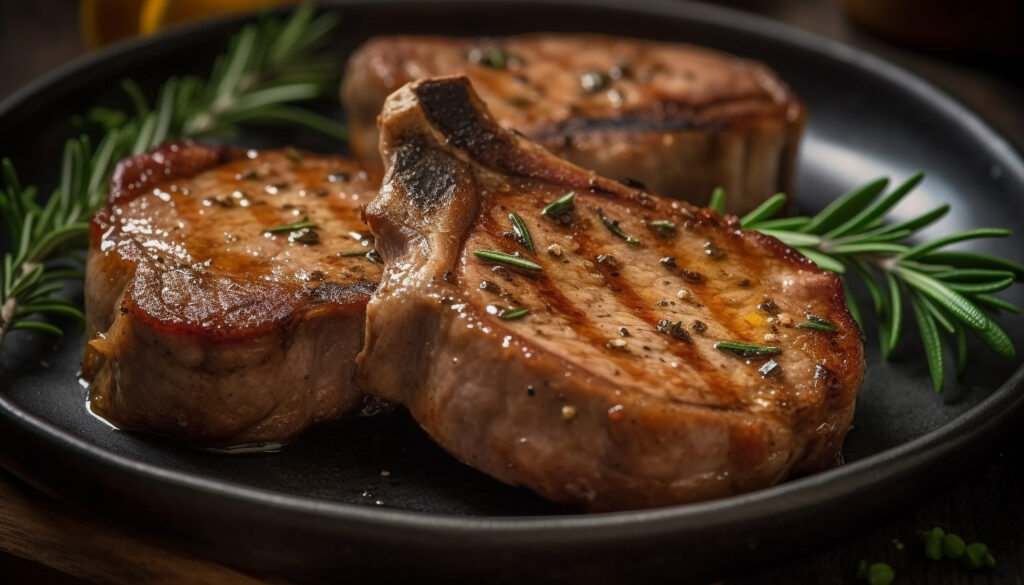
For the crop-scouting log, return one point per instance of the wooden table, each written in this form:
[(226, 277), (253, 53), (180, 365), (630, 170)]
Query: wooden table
[(43, 541)]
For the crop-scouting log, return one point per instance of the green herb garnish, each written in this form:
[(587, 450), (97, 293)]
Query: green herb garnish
[(269, 67), (875, 573), (305, 224), (510, 314), (508, 259), (495, 57), (522, 232), (747, 350), (949, 292), (560, 208), (662, 228), (816, 326), (613, 227), (717, 201)]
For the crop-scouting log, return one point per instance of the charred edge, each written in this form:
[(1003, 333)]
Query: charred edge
[(165, 162), (448, 106), (426, 174)]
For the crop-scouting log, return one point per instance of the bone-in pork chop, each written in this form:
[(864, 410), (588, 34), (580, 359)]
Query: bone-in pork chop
[(678, 118), (602, 346), (225, 292)]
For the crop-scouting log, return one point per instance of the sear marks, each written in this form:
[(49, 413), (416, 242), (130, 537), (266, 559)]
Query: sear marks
[(226, 291), (678, 119), (559, 399)]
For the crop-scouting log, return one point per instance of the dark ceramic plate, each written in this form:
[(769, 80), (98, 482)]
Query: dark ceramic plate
[(323, 508)]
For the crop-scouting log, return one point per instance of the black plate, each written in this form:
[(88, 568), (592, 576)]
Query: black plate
[(323, 508)]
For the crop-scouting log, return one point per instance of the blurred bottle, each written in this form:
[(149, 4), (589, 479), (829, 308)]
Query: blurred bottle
[(975, 28), (106, 21)]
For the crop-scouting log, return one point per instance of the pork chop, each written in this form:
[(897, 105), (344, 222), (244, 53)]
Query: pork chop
[(631, 352), (680, 119), (210, 318)]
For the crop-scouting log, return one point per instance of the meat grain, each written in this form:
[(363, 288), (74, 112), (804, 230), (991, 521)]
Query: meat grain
[(206, 327), (614, 390), (678, 118)]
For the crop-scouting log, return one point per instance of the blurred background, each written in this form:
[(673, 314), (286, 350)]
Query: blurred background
[(974, 50)]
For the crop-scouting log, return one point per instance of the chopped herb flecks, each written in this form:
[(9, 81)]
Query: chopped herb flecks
[(291, 227), (510, 314), (816, 322), (662, 228), (522, 232), (816, 326), (747, 350), (507, 259), (613, 227), (494, 57), (561, 208)]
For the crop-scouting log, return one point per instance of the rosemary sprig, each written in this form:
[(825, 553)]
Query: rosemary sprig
[(613, 227), (560, 208), (948, 291), (507, 259), (268, 67), (522, 231), (291, 227), (746, 350)]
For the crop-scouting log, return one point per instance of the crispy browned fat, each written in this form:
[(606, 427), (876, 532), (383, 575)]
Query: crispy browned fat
[(678, 118), (614, 390), (209, 318)]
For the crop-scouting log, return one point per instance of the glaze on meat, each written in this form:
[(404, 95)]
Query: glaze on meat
[(678, 118), (609, 394), (203, 326)]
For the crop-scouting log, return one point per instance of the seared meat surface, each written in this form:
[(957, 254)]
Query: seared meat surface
[(610, 393), (678, 118), (204, 326)]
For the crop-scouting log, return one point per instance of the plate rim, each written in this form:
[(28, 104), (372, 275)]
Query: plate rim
[(976, 425)]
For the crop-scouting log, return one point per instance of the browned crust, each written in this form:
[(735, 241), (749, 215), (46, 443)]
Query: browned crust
[(278, 304), (463, 133)]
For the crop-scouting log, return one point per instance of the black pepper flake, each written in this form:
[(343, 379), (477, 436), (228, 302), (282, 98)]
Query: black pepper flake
[(608, 260), (448, 276), (668, 261), (745, 283), (631, 182), (623, 332), (247, 175), (374, 257), (691, 276), (490, 287), (530, 391), (699, 327), (339, 177), (675, 330), (769, 306), (713, 251)]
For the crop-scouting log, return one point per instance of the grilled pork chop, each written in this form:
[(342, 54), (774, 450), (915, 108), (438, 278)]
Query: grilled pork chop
[(205, 326), (614, 391), (678, 118)]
